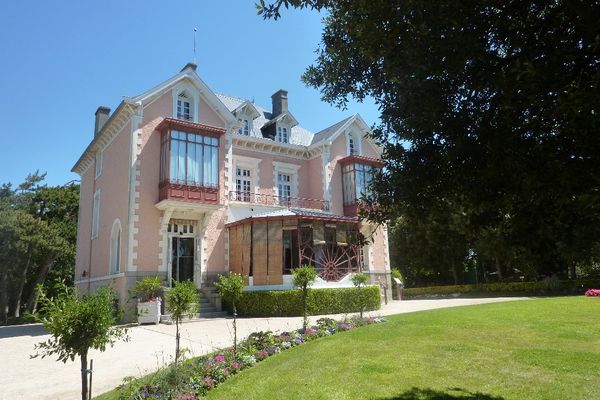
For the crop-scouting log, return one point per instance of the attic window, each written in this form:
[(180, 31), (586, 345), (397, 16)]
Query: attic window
[(184, 107), (282, 134), (245, 128)]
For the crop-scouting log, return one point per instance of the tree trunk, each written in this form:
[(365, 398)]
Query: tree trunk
[(572, 270), (4, 296), (84, 376), (41, 279), (21, 283), (499, 268), (304, 296), (234, 329), (454, 274), (176, 339)]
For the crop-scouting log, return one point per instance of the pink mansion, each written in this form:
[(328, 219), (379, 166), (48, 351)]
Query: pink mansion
[(187, 184)]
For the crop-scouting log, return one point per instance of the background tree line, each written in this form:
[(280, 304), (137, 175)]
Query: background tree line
[(38, 231), (490, 122)]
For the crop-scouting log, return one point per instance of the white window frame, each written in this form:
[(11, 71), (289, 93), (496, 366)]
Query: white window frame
[(251, 164), (98, 163), (286, 169), (192, 94), (356, 137), (116, 236), (96, 215), (246, 126), (279, 133)]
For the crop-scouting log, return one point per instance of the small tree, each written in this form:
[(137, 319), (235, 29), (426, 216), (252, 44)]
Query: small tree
[(182, 301), (78, 324), (231, 289), (303, 278), (360, 281)]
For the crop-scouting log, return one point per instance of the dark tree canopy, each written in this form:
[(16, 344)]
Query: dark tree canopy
[(489, 111)]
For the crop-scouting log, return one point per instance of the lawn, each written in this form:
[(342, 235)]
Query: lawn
[(538, 349)]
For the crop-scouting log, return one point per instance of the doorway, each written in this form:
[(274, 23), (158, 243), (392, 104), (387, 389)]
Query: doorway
[(182, 267)]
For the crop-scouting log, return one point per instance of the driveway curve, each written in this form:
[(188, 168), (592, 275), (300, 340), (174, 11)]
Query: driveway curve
[(149, 347)]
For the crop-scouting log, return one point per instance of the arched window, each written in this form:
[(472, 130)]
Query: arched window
[(115, 247)]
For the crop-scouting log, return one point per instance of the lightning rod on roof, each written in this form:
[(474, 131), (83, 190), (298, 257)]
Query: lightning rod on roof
[(195, 45)]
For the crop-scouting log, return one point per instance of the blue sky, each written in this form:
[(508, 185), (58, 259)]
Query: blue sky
[(61, 60)]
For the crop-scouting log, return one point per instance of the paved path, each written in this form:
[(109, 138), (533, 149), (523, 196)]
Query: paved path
[(149, 347)]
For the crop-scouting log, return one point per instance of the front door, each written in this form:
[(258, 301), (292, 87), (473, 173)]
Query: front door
[(182, 268)]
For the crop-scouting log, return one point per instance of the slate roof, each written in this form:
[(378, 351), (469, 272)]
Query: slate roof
[(299, 135)]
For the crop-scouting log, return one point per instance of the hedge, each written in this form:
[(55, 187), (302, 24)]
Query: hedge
[(539, 287), (288, 303)]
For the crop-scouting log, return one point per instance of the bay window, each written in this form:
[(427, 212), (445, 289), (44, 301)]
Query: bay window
[(357, 179), (190, 159)]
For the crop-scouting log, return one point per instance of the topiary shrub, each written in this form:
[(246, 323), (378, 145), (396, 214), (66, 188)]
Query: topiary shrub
[(288, 303)]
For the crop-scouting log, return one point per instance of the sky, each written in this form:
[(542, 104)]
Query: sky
[(59, 61)]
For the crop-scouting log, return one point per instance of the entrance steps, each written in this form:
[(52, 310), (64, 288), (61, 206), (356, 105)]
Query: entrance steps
[(208, 308)]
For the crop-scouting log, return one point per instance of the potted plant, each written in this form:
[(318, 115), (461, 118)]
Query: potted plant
[(148, 291)]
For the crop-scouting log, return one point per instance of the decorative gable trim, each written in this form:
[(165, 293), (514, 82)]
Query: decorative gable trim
[(109, 131)]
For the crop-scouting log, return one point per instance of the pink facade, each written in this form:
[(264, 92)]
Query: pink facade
[(183, 170)]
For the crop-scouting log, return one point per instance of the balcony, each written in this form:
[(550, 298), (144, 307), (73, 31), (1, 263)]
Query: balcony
[(176, 190), (274, 200)]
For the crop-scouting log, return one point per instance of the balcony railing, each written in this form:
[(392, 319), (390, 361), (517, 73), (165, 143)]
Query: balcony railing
[(273, 200)]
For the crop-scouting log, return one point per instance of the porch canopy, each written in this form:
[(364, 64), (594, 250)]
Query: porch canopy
[(268, 246)]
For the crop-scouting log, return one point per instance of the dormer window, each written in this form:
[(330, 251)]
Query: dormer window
[(245, 127), (282, 134), (184, 107)]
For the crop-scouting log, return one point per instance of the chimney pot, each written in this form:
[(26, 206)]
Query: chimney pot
[(280, 102), (102, 115)]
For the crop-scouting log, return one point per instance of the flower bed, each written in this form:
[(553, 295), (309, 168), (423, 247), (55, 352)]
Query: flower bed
[(593, 293), (193, 378)]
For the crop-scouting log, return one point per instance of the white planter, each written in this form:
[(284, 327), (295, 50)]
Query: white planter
[(148, 312)]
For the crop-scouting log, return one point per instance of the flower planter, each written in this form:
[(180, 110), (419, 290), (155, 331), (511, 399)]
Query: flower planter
[(149, 312)]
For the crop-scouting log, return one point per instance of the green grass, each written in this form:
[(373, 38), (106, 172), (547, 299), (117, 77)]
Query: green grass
[(538, 349)]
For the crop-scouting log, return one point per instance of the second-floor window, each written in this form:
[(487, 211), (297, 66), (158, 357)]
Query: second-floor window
[(284, 186), (190, 159), (184, 107), (282, 134), (356, 180), (243, 184)]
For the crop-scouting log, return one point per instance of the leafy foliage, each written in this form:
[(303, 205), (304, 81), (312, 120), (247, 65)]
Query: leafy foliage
[(77, 324), (182, 301), (303, 278), (38, 228), (288, 303), (147, 288), (360, 280), (231, 289), (489, 121)]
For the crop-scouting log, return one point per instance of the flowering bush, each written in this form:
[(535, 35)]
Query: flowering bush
[(593, 293), (194, 378)]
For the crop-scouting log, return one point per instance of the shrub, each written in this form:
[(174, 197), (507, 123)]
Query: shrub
[(540, 287), (147, 288), (593, 293), (231, 288), (288, 303)]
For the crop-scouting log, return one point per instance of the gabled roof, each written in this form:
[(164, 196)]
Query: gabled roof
[(188, 73), (298, 134)]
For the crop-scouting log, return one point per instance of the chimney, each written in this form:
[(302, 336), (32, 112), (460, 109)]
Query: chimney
[(280, 102), (102, 114)]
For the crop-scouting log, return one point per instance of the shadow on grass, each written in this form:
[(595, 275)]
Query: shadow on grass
[(450, 394)]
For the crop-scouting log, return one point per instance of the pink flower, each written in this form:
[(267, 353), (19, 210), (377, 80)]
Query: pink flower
[(236, 365), (219, 358), (593, 293)]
